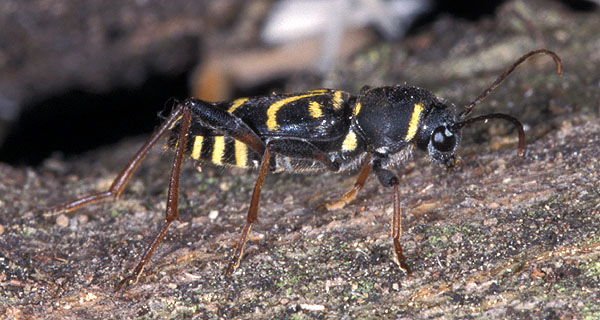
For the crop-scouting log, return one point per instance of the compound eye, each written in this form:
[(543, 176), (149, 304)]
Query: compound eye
[(442, 139)]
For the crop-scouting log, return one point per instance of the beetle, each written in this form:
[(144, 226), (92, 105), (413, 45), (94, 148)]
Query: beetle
[(316, 130)]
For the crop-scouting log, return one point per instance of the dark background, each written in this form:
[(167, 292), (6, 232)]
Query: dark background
[(72, 116)]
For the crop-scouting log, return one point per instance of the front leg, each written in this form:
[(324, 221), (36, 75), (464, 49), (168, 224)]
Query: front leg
[(389, 179)]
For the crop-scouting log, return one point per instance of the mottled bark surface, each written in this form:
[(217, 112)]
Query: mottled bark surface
[(499, 237)]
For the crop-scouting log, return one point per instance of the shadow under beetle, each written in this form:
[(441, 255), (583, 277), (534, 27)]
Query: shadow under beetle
[(314, 130)]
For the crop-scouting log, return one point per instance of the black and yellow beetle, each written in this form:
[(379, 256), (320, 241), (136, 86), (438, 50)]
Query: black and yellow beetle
[(314, 130)]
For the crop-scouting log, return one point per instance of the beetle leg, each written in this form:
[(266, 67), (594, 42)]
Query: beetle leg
[(123, 178), (358, 185), (389, 179), (172, 201), (252, 213), (397, 232)]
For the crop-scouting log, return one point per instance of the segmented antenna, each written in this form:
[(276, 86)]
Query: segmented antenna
[(505, 74), (466, 122)]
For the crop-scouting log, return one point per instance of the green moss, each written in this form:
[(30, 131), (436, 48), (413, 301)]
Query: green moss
[(115, 213), (27, 231), (592, 269), (591, 311), (289, 282)]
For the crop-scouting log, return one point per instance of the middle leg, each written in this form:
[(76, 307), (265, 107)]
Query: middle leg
[(252, 213)]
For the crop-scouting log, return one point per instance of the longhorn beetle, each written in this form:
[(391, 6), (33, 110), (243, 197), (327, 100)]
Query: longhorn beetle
[(309, 131)]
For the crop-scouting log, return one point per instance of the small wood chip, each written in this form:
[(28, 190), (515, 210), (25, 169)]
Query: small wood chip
[(312, 307), (62, 221)]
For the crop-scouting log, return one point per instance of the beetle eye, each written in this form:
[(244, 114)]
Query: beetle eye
[(442, 139)]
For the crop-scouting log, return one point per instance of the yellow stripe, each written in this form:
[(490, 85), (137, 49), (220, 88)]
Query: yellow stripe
[(197, 148), (319, 91), (236, 104), (413, 125), (350, 142), (315, 109), (218, 150), (175, 122), (357, 108), (241, 154), (274, 108), (337, 100)]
